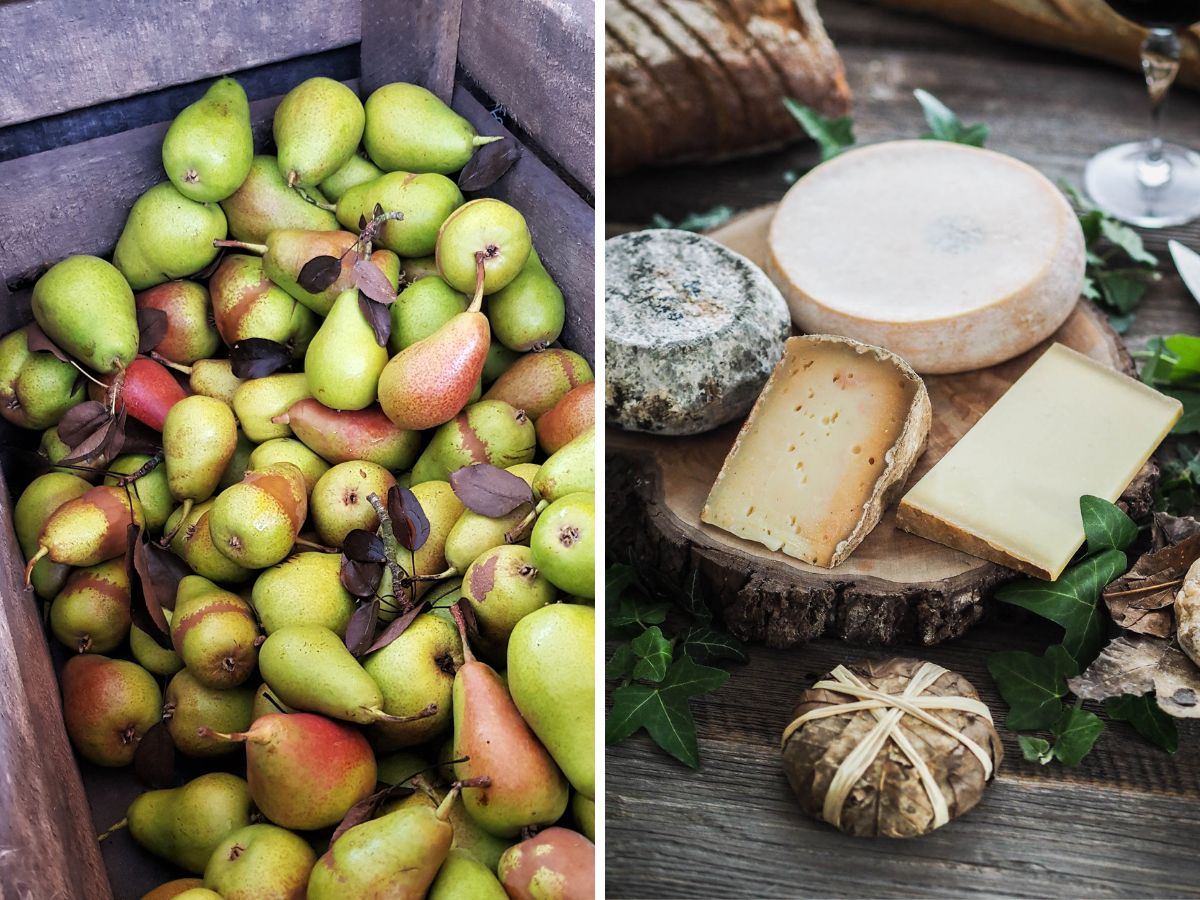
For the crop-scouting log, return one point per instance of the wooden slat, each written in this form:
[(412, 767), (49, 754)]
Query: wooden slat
[(562, 225), (537, 58), (61, 54), (427, 30), (48, 846)]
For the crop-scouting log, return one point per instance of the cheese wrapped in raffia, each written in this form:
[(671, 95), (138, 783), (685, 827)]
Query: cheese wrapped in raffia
[(894, 748)]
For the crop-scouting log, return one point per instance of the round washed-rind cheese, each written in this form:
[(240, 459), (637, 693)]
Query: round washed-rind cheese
[(692, 332), (953, 257)]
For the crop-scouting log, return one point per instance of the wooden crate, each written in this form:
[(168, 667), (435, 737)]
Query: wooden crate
[(121, 71)]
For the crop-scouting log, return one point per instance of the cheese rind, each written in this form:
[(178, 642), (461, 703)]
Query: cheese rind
[(828, 446), (1009, 490), (692, 331), (961, 258)]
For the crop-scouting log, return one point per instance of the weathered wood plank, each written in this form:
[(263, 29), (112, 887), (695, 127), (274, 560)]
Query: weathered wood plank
[(47, 846), (427, 30), (536, 57), (562, 225), (60, 55)]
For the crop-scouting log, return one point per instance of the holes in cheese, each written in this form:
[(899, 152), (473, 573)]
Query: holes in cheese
[(956, 258), (828, 445), (1009, 490)]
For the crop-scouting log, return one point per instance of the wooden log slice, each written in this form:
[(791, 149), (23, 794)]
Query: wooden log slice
[(896, 587)]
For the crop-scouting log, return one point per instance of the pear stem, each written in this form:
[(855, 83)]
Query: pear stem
[(185, 508), (389, 550), (456, 611), (88, 375), (312, 545), (163, 361), (309, 198), (443, 810), (378, 715), (33, 561), (449, 573), (105, 835), (477, 300), (517, 532), (260, 249), (238, 737), (480, 139)]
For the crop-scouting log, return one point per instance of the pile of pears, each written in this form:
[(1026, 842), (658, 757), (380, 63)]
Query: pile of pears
[(480, 712)]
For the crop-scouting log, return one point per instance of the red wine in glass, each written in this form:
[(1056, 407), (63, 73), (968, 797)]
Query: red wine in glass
[(1151, 183)]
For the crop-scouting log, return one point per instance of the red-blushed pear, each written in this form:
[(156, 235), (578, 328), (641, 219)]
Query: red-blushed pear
[(108, 704), (571, 416), (34, 507), (147, 391), (88, 530), (91, 612), (537, 381), (191, 334), (255, 522), (339, 436), (557, 863), (214, 632), (305, 771)]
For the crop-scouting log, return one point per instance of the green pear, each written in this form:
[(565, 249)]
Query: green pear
[(571, 469), (468, 835), (258, 401), (208, 148), (185, 824), (305, 589), (260, 862), (150, 656), (317, 127), (167, 236), (339, 501), (488, 230), (266, 703), (421, 309), (552, 679), (44, 495), (396, 855), (563, 543), (344, 360), (255, 522), (91, 612), (489, 431), (191, 334), (293, 451), (190, 704), (36, 388), (151, 488), (264, 203), (419, 267), (584, 810), (353, 172), (246, 304), (308, 667), (235, 469), (463, 877), (214, 378), (199, 437), (475, 533), (86, 307), (413, 671), (537, 381), (192, 542), (498, 361), (503, 586), (214, 633), (52, 449), (108, 704), (409, 128), (425, 201), (528, 313), (198, 893)]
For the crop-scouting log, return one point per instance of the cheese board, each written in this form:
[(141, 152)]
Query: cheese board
[(896, 587)]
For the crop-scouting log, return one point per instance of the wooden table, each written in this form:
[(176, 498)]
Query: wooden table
[(1125, 823)]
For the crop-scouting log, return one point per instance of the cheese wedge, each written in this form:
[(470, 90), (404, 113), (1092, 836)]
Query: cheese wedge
[(956, 258), (1009, 490), (827, 447)]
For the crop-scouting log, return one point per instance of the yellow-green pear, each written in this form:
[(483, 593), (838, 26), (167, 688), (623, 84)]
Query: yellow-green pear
[(44, 495), (486, 229), (199, 437), (151, 488), (260, 400), (570, 469), (214, 378), (340, 501), (36, 387), (208, 148), (190, 705), (354, 171), (258, 862), (149, 655), (317, 127), (264, 203), (421, 309), (584, 810), (167, 236), (425, 201), (463, 877), (214, 633), (563, 543), (184, 825), (290, 450), (409, 128), (528, 313), (91, 612), (474, 533), (344, 360), (192, 542), (305, 589), (86, 307), (255, 522)]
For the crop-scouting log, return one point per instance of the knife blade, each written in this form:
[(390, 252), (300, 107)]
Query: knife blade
[(1187, 261)]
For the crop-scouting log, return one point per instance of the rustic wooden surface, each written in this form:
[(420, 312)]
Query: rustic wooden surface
[(432, 27), (1124, 823)]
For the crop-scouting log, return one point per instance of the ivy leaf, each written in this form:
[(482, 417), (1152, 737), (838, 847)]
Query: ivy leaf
[(692, 600), (944, 125), (638, 610), (1073, 601), (706, 644), (1127, 239), (621, 664), (1120, 289), (1075, 734), (654, 655), (1146, 718), (616, 579), (1035, 749), (1106, 526), (832, 135), (663, 709), (1032, 686), (698, 221)]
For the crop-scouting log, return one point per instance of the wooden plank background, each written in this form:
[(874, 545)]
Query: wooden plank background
[(1123, 824)]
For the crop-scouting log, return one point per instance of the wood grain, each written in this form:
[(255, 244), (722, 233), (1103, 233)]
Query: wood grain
[(60, 55), (427, 30)]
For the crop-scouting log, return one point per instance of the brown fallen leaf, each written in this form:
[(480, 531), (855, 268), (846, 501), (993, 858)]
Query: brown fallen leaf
[(1141, 599), (1167, 530), (1177, 685), (1126, 666)]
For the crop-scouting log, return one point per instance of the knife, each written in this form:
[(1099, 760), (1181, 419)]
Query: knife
[(1187, 261)]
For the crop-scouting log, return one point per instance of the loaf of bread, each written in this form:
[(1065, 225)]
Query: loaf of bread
[(1089, 27), (706, 79)]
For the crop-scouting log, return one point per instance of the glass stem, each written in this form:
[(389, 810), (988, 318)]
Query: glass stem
[(1160, 65)]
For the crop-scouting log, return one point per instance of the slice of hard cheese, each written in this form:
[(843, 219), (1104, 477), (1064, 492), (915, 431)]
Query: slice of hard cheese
[(1009, 490), (827, 447), (954, 257), (691, 332)]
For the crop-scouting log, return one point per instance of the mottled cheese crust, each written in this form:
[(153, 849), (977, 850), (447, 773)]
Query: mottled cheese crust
[(829, 444), (692, 331), (956, 258)]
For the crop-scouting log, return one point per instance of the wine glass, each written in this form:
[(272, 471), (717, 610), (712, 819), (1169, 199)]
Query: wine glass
[(1151, 183)]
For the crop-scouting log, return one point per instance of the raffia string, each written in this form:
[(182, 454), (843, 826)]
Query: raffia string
[(888, 710)]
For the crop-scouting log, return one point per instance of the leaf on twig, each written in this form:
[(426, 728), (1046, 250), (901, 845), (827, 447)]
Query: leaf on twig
[(489, 490), (258, 357), (369, 279), (361, 579), (319, 273), (360, 630), (396, 627), (410, 525)]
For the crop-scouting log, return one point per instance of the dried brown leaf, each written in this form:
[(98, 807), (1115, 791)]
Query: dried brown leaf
[(1126, 666), (360, 631), (378, 317), (154, 758), (152, 328), (488, 165), (396, 628), (37, 340), (80, 421), (1177, 685), (1140, 600), (369, 279), (410, 525), (319, 273), (1167, 529)]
